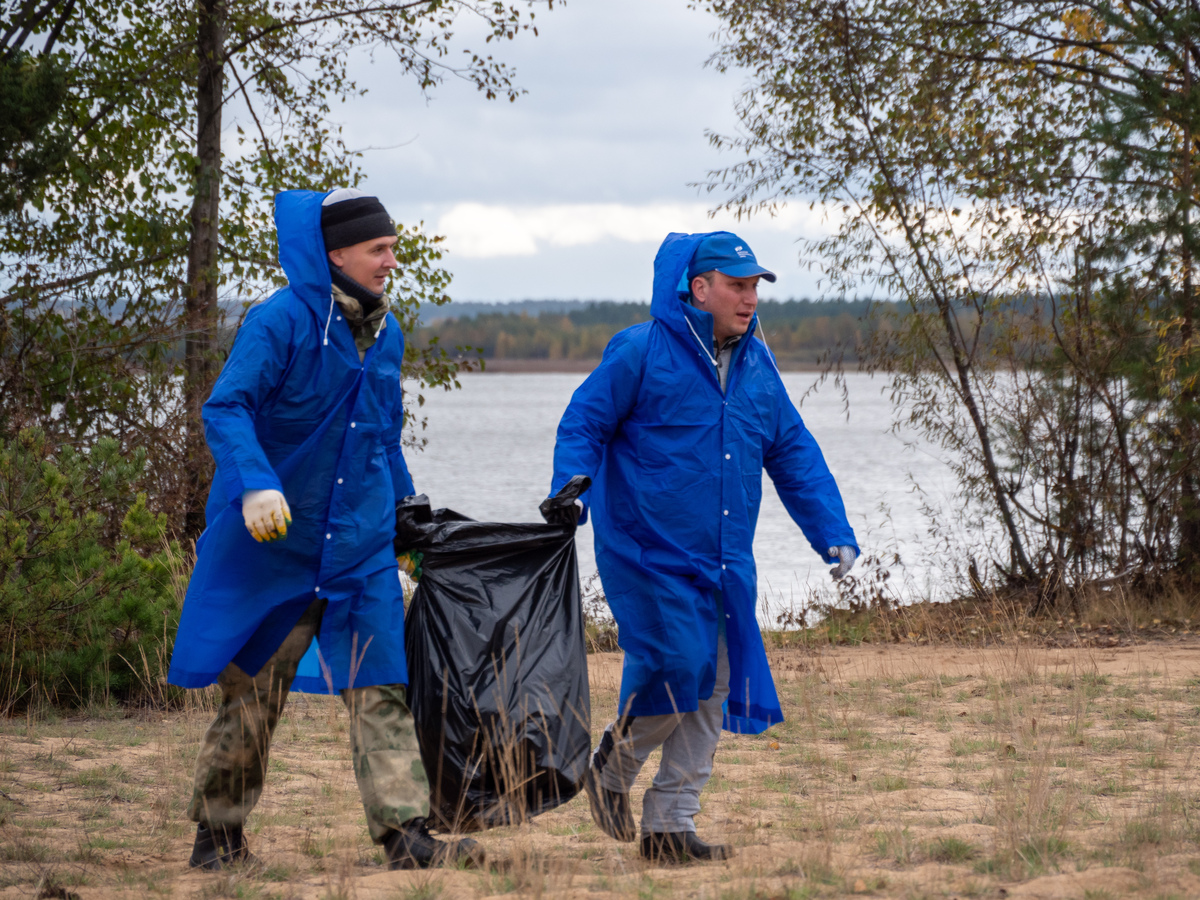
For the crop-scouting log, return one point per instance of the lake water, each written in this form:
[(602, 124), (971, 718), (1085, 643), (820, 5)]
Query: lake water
[(491, 447)]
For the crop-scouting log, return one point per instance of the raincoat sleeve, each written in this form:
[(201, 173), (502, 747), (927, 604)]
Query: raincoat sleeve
[(804, 483), (402, 483), (595, 412), (256, 366)]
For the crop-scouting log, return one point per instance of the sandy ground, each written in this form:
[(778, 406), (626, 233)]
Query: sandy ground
[(901, 771)]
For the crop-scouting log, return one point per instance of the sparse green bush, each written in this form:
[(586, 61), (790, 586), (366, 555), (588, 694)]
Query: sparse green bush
[(90, 588)]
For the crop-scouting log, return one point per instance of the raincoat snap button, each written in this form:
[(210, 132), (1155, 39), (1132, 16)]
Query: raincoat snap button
[(722, 565), (339, 481), (339, 318), (727, 456), (328, 537), (318, 590), (724, 512), (353, 424)]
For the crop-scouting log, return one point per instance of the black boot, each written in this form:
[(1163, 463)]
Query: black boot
[(681, 847), (413, 847), (219, 847), (611, 810)]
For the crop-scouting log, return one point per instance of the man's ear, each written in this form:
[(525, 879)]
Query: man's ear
[(337, 257), (699, 288)]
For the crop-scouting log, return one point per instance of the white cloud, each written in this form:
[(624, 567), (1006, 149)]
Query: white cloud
[(490, 231)]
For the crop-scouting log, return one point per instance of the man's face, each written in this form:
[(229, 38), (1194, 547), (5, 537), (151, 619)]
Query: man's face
[(731, 301), (369, 263)]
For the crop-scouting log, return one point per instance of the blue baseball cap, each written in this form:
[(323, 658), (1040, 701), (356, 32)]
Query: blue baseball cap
[(729, 255)]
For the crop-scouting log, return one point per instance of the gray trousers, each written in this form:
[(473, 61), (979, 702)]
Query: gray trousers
[(688, 742)]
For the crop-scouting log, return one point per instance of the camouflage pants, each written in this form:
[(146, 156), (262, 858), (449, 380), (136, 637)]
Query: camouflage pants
[(233, 758)]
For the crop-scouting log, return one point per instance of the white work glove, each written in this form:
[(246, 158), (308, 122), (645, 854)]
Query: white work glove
[(846, 557), (266, 515)]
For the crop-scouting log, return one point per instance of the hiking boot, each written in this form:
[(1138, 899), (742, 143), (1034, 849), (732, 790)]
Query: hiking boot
[(611, 810), (413, 847), (681, 847), (219, 847)]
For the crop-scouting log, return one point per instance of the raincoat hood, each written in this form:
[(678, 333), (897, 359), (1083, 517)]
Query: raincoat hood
[(669, 302), (301, 246)]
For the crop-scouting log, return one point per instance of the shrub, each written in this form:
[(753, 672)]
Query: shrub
[(90, 588)]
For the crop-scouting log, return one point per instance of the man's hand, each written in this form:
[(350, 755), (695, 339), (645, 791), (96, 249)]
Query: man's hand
[(846, 557), (266, 515), (561, 515), (410, 563)]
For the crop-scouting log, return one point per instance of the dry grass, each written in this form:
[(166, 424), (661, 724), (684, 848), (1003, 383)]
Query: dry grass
[(1097, 615), (902, 771)]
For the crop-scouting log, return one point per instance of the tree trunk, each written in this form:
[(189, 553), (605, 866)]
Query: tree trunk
[(966, 392), (202, 312), (1189, 507)]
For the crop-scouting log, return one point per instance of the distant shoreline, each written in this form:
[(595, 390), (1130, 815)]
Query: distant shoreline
[(577, 366)]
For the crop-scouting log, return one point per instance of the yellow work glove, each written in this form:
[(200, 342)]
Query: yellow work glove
[(410, 563), (266, 515)]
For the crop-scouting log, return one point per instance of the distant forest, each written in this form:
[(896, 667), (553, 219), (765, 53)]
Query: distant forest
[(798, 331)]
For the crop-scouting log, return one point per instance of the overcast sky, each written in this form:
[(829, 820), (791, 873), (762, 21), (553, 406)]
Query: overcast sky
[(568, 192)]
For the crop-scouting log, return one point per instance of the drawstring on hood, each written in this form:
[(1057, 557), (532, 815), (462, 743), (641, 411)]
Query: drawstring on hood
[(328, 319), (761, 334), (712, 359)]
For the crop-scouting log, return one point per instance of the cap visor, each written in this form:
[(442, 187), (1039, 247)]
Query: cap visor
[(747, 270)]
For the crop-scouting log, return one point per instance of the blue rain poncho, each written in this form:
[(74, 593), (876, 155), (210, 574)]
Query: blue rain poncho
[(295, 410), (677, 480)]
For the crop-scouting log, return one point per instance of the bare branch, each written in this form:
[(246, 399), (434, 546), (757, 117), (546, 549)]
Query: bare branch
[(62, 284)]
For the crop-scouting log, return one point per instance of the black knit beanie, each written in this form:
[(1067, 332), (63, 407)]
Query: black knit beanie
[(350, 221)]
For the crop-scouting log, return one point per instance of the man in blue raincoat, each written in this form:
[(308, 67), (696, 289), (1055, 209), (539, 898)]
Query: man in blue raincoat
[(675, 427), (304, 423)]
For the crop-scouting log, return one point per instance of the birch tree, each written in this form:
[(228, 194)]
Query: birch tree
[(1022, 174)]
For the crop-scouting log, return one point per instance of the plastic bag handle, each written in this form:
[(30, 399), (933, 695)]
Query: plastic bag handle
[(572, 490)]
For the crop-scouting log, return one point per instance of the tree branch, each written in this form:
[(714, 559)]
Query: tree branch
[(24, 24), (250, 106), (234, 49), (58, 27), (64, 283)]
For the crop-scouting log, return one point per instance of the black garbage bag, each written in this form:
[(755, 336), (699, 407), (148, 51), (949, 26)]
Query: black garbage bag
[(497, 663)]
